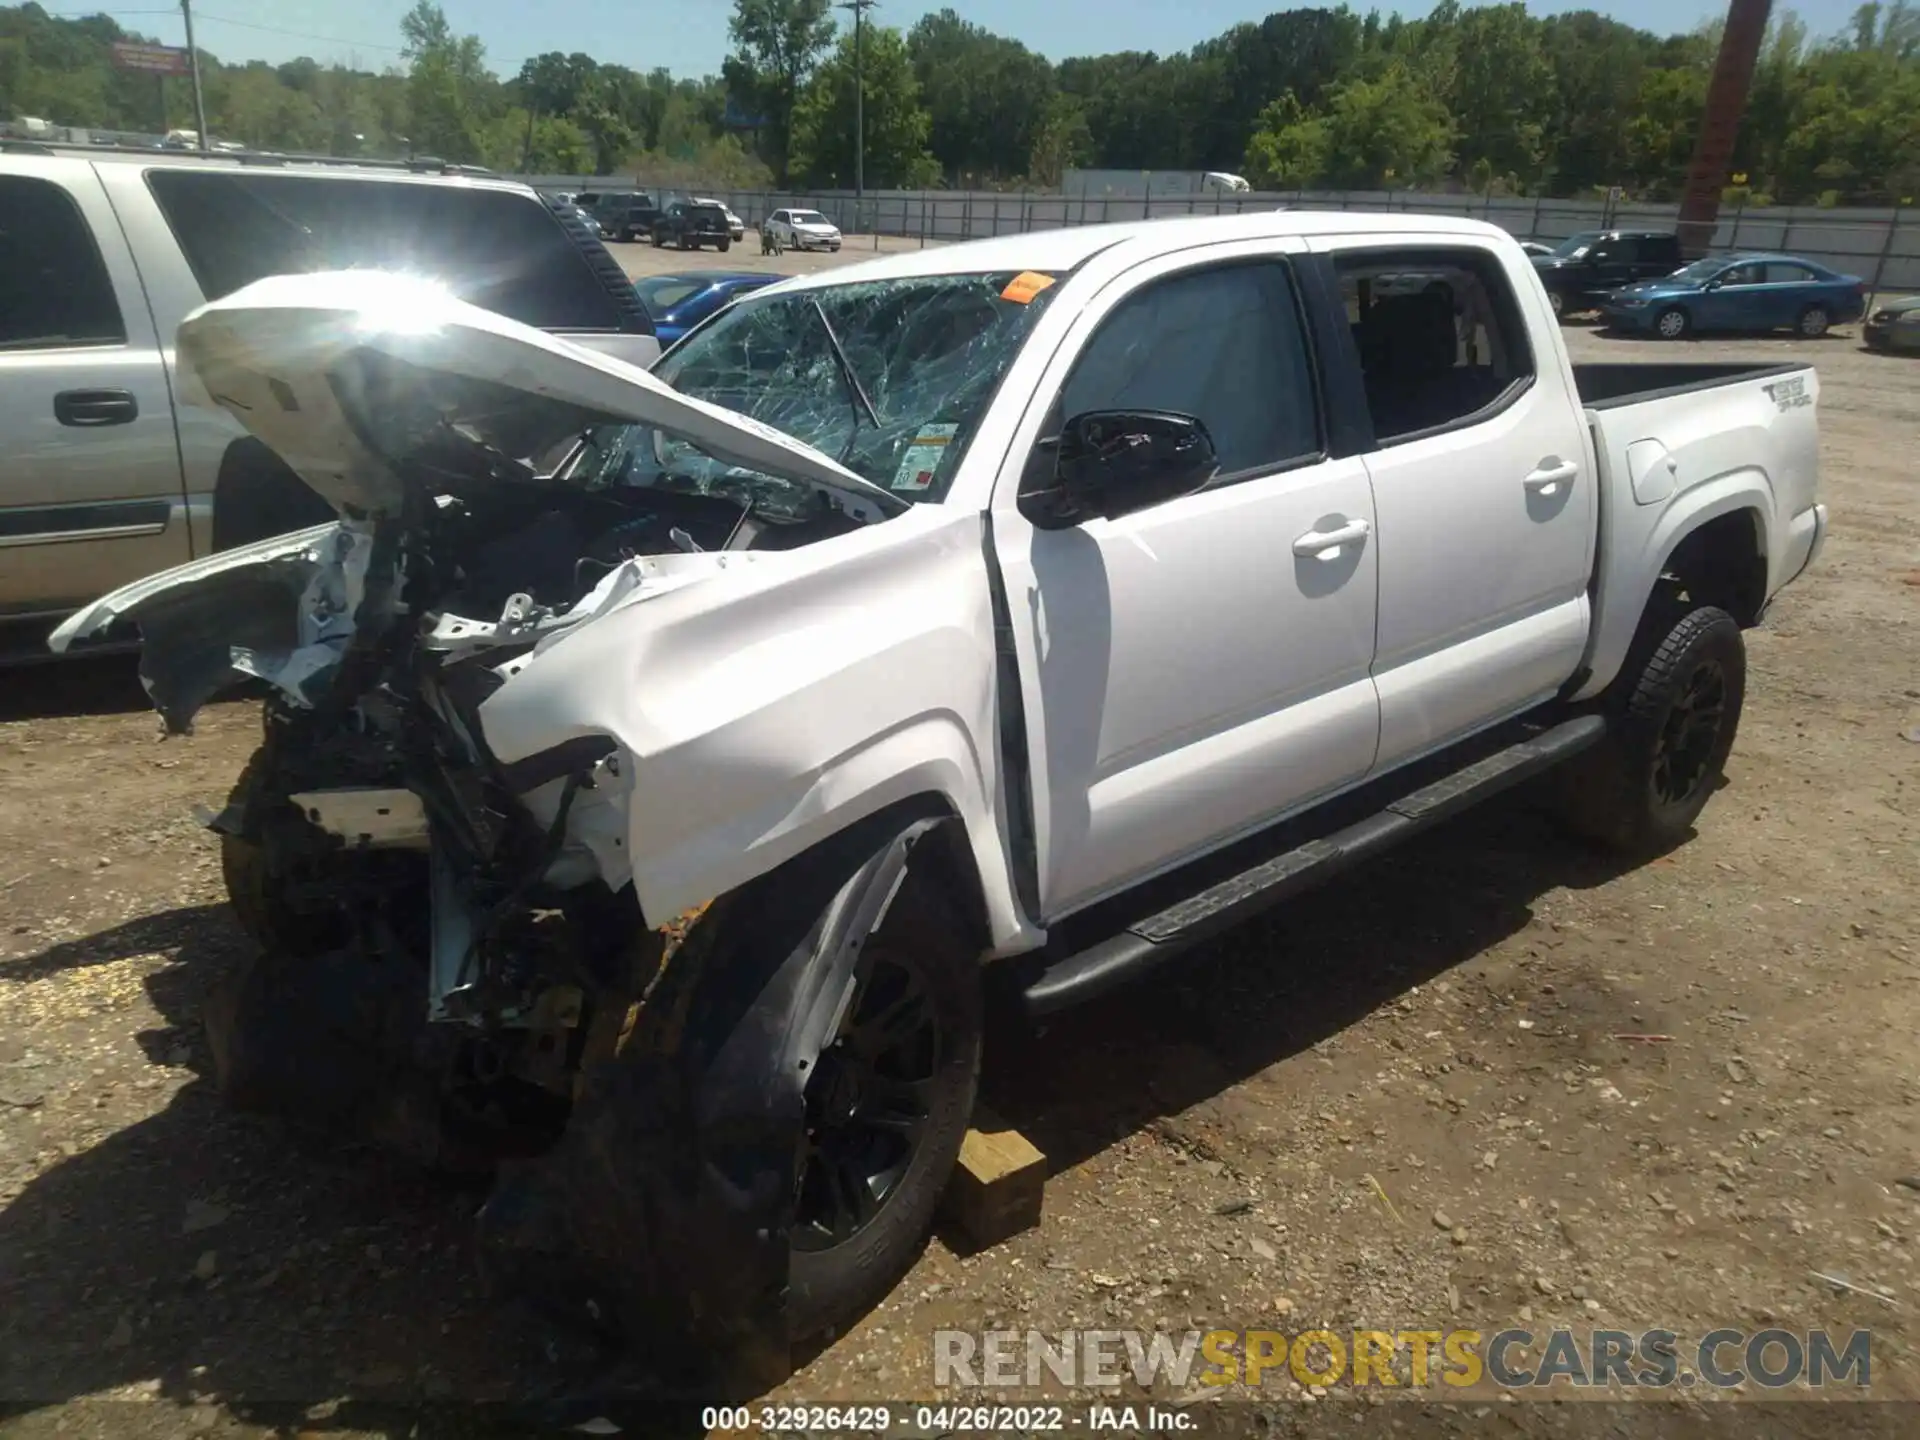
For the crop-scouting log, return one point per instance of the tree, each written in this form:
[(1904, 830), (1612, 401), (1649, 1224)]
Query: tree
[(985, 95), (777, 44), (448, 88), (1061, 141), (1385, 132), (1501, 90), (896, 123)]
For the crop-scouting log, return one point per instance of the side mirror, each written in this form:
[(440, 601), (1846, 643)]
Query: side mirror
[(1110, 463)]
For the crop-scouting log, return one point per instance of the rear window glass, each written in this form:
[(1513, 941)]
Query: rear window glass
[(497, 249)]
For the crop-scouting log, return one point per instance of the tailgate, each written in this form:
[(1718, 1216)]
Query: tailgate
[(1674, 457)]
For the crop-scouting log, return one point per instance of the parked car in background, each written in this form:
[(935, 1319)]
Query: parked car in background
[(1582, 270), (1740, 292), (736, 227), (1894, 325), (622, 214), (802, 230), (116, 465), (689, 224), (677, 303)]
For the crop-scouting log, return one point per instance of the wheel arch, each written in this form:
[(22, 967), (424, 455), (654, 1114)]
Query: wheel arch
[(257, 495), (1714, 546)]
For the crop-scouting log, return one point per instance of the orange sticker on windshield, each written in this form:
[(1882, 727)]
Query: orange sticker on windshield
[(1024, 286)]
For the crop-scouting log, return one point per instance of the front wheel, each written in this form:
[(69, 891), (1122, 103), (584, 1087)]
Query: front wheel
[(1558, 302), (1674, 713), (1814, 321), (725, 245), (1672, 324), (887, 1108)]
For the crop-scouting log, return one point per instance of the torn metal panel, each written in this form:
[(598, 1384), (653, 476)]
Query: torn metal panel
[(366, 818)]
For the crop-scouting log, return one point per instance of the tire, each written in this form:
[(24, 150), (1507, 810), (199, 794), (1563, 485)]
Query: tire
[(257, 497), (831, 1285), (252, 889), (1558, 302), (725, 245), (1814, 322), (1673, 323), (659, 240), (1673, 713)]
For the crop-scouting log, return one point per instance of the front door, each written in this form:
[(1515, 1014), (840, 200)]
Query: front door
[(1195, 669), (90, 487)]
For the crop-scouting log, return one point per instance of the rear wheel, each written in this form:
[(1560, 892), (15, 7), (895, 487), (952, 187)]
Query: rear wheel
[(1672, 324), (1675, 712), (1814, 321), (1558, 302)]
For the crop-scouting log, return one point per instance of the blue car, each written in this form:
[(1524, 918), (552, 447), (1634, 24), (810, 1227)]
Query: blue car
[(1739, 292), (677, 303)]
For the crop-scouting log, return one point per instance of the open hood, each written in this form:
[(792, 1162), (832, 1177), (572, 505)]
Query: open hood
[(343, 374)]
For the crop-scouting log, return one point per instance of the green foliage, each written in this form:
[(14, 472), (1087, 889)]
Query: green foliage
[(1390, 132), (777, 45), (1488, 98), (896, 125)]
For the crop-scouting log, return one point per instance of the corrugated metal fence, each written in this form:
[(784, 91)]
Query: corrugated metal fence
[(1881, 246)]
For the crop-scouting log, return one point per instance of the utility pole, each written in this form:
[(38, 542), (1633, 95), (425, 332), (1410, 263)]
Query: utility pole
[(859, 9), (193, 69), (1726, 106)]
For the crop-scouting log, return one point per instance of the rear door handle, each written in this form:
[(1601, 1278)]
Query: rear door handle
[(1549, 478), (87, 408), (1325, 544)]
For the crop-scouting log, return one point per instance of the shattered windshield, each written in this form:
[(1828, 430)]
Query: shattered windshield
[(889, 377)]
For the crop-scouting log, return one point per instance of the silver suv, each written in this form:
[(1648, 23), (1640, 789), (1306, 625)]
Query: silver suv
[(112, 470)]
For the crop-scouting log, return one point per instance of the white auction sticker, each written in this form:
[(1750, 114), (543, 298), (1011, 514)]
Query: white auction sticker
[(923, 457)]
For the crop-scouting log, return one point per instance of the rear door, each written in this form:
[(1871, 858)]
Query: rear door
[(90, 484), (1483, 487), (1612, 262), (1655, 256)]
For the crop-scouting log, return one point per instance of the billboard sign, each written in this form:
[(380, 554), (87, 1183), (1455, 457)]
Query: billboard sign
[(149, 59)]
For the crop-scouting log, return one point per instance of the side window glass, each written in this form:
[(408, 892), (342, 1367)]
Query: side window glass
[(1778, 274), (1226, 346), (54, 289), (1440, 336)]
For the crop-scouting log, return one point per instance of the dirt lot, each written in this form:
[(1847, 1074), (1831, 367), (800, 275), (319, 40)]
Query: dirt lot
[(1404, 1102)]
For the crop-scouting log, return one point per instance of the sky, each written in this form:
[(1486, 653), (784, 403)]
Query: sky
[(689, 37)]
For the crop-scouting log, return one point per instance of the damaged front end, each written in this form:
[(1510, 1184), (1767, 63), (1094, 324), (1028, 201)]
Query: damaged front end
[(449, 945)]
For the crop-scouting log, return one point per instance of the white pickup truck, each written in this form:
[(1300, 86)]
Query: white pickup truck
[(657, 765)]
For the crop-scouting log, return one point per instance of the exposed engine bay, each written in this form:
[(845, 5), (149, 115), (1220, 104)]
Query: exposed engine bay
[(379, 825)]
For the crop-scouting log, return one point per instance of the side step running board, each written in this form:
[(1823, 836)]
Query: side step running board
[(1145, 943)]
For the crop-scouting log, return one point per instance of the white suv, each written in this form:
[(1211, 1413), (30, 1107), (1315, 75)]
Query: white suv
[(803, 230)]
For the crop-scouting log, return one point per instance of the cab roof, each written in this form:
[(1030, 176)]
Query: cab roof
[(1067, 249)]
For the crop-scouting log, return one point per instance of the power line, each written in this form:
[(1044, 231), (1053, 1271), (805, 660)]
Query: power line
[(298, 34)]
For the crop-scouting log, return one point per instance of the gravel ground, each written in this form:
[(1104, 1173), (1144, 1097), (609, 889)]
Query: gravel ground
[(1404, 1102)]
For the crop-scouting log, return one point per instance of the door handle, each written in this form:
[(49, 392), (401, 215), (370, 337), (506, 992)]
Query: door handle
[(1325, 544), (1548, 478), (87, 408)]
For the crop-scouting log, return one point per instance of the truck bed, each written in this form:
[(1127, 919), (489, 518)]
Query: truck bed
[(1679, 443), (1607, 385)]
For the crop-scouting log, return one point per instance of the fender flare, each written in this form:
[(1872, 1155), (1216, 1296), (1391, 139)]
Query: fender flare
[(1619, 612)]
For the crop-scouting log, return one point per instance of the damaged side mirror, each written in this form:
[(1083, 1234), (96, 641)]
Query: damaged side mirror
[(1109, 463)]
